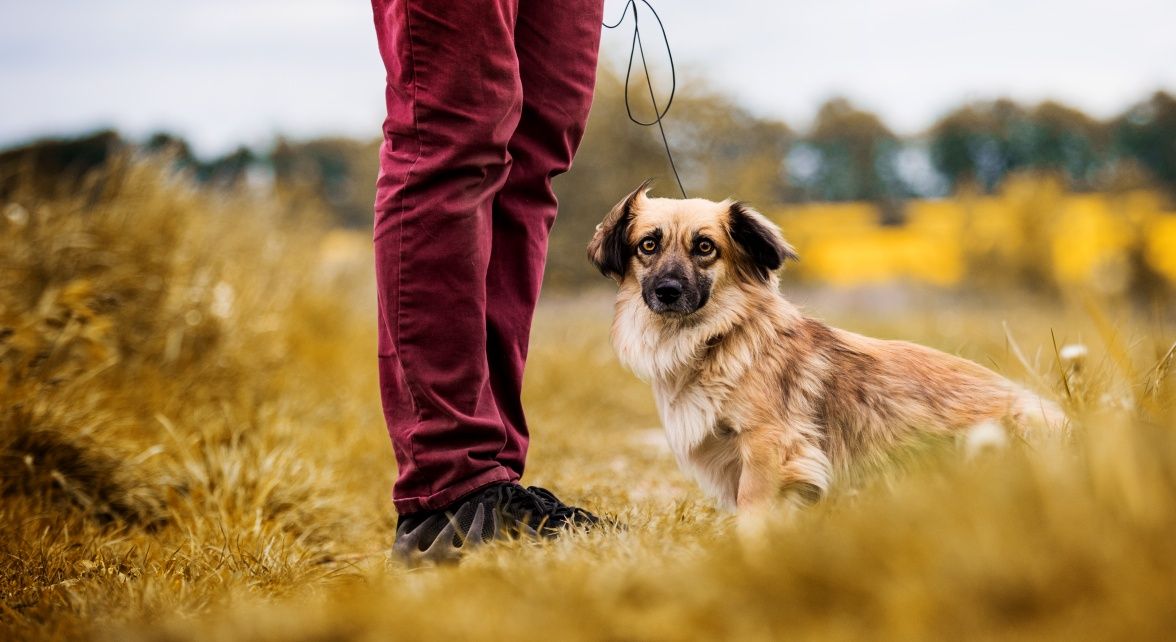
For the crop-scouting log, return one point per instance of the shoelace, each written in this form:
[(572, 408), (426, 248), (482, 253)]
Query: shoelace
[(559, 512), (519, 502)]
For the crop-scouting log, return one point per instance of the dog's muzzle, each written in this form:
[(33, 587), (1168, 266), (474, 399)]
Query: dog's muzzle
[(673, 295)]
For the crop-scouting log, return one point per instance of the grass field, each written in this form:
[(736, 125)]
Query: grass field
[(192, 448)]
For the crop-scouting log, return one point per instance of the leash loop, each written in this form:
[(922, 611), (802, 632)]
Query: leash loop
[(637, 47)]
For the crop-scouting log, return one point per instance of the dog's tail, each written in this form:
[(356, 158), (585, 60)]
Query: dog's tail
[(1031, 418), (1033, 414)]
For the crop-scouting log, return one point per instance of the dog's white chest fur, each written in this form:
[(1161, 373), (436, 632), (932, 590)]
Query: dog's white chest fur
[(691, 409), (689, 416), (702, 436)]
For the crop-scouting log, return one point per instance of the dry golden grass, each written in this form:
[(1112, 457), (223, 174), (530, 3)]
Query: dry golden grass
[(192, 448)]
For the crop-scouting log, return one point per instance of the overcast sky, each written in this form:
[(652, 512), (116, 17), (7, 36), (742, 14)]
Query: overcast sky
[(225, 72)]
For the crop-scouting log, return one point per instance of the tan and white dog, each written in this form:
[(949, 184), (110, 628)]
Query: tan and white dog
[(760, 403)]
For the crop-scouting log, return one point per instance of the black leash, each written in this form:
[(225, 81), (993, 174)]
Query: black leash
[(638, 47)]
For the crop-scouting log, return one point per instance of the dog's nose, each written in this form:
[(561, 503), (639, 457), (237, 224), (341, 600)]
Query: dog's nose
[(668, 291)]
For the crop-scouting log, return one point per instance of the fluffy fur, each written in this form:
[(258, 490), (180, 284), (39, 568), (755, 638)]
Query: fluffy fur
[(759, 402)]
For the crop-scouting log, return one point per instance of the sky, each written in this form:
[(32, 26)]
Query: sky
[(231, 72)]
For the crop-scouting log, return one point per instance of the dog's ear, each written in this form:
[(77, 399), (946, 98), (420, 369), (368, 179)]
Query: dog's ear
[(609, 248), (761, 242)]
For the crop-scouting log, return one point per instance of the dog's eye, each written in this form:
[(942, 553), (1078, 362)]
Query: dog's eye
[(704, 247), (649, 245)]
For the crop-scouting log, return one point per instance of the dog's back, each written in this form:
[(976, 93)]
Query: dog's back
[(884, 394)]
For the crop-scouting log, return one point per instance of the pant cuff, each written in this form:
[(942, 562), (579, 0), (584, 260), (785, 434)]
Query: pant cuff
[(443, 498)]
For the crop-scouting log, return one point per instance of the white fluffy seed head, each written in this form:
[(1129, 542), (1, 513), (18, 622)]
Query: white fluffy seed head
[(1073, 352), (983, 437)]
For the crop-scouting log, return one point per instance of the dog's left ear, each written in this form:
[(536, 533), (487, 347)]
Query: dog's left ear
[(759, 239), (609, 248)]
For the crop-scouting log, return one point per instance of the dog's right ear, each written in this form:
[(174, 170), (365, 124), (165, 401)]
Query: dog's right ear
[(609, 248)]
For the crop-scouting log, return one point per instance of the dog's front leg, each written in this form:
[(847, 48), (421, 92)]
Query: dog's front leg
[(784, 470)]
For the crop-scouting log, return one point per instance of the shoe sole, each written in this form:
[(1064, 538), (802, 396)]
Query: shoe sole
[(442, 549)]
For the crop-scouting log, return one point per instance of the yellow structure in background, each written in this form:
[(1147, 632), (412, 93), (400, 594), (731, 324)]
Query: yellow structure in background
[(1033, 229), (1161, 246)]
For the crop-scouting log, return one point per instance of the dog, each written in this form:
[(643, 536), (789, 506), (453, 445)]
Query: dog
[(762, 405)]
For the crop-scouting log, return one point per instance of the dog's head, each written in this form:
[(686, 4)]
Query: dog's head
[(680, 251)]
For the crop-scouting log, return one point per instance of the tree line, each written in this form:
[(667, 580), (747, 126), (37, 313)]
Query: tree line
[(722, 149)]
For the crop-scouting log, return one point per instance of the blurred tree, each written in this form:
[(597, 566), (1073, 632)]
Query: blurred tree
[(1066, 141), (971, 145), (981, 143), (1147, 135), (228, 170), (170, 144), (54, 165), (223, 171), (853, 158), (339, 171)]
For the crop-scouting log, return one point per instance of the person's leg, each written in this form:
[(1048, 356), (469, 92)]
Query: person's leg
[(454, 98), (556, 42)]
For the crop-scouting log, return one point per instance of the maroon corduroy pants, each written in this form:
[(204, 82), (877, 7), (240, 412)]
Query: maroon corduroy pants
[(487, 101)]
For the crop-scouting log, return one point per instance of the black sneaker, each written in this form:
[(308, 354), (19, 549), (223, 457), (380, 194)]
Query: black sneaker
[(496, 511)]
